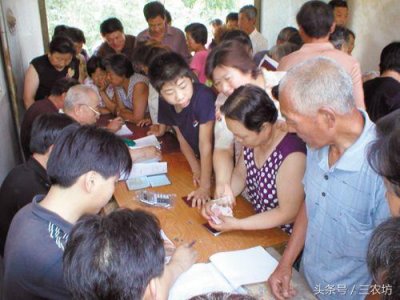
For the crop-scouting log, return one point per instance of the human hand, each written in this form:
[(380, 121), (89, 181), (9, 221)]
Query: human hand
[(154, 129), (279, 282), (227, 223), (145, 153), (115, 124), (183, 258), (144, 122), (224, 191), (199, 197), (150, 152)]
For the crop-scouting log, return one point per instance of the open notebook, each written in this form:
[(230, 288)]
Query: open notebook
[(226, 272)]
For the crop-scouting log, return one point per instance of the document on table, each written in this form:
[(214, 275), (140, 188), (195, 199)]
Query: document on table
[(124, 131), (142, 182), (226, 272)]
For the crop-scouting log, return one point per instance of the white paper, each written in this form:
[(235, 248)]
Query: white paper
[(146, 141), (147, 169), (247, 266), (199, 279), (124, 131)]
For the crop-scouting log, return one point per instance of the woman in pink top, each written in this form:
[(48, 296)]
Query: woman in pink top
[(196, 37)]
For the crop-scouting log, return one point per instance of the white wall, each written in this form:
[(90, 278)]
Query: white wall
[(24, 43), (375, 23)]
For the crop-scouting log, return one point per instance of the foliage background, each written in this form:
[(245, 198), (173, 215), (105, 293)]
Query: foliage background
[(87, 15)]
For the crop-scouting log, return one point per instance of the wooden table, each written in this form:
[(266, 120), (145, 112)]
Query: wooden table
[(184, 224)]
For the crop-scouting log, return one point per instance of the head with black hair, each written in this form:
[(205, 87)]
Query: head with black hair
[(119, 68), (62, 85), (340, 11), (78, 38), (114, 256), (154, 13), (171, 76), (250, 115), (383, 258), (315, 19), (240, 36), (81, 150), (145, 52), (390, 58), (222, 296), (384, 157), (230, 65), (196, 36), (113, 33), (61, 52), (45, 130), (168, 67), (168, 17), (232, 20), (97, 71)]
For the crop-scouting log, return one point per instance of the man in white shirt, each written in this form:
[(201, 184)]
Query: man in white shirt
[(247, 23)]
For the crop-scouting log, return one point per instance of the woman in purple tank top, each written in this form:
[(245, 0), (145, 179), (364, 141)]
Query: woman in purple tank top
[(271, 166)]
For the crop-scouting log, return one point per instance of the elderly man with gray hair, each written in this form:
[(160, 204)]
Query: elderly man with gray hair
[(82, 104), (247, 23), (345, 198)]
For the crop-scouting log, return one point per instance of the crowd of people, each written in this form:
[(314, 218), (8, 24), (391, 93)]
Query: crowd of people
[(292, 127)]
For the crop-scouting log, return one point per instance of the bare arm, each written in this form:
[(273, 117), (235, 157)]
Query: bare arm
[(238, 180), (202, 194), (111, 104), (139, 98), (279, 281), (187, 152), (290, 193), (31, 85), (223, 168), (183, 258)]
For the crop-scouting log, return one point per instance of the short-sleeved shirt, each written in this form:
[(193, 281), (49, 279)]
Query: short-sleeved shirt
[(200, 110), (18, 189), (48, 75), (38, 108), (199, 65), (33, 254), (105, 50), (174, 38), (258, 41), (127, 97), (344, 204), (261, 182), (382, 96), (347, 62)]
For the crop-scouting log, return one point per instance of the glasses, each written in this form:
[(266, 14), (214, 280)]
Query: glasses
[(93, 110)]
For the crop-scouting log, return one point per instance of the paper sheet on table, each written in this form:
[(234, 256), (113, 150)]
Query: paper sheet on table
[(148, 169), (199, 279), (146, 141), (158, 180), (124, 131), (137, 183), (243, 267)]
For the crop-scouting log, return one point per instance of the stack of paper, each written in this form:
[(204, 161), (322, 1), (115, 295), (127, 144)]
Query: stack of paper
[(226, 272), (150, 172)]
